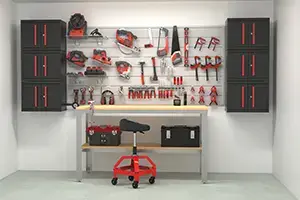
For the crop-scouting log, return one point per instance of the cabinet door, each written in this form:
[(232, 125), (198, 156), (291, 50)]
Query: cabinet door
[(52, 35), (258, 97), (236, 34), (236, 65), (53, 65), (235, 97), (30, 37), (31, 66), (31, 97), (259, 33), (258, 66), (51, 97)]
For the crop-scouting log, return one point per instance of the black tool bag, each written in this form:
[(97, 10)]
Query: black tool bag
[(104, 135), (180, 136)]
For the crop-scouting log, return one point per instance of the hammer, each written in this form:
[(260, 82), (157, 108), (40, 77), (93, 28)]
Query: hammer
[(142, 72), (154, 78)]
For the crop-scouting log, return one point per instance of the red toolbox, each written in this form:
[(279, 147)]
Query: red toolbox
[(104, 135)]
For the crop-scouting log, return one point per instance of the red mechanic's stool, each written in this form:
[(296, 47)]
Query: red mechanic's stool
[(134, 171)]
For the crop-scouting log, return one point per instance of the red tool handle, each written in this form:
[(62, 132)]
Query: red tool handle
[(143, 79), (171, 93), (45, 96), (45, 66), (181, 80), (243, 65), (45, 35), (253, 33), (186, 47), (174, 80), (35, 66), (35, 96), (243, 33), (253, 64), (154, 93), (35, 34), (243, 97), (253, 96)]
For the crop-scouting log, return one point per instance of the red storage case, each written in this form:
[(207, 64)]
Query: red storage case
[(104, 135)]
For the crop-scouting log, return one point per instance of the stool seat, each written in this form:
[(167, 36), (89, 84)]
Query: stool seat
[(131, 126)]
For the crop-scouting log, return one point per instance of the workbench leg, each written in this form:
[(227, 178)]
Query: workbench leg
[(89, 152), (204, 134), (89, 162), (78, 146)]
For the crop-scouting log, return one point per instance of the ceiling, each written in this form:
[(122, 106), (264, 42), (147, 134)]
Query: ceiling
[(64, 1)]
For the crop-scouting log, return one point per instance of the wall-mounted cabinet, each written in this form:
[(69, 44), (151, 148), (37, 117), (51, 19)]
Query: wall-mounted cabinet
[(43, 63), (247, 65), (47, 35)]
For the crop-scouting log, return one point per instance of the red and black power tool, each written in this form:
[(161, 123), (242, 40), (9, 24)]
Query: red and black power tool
[(124, 69), (77, 58), (77, 26), (101, 56), (126, 40)]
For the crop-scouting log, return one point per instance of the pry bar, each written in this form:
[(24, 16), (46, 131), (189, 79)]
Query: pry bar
[(186, 47)]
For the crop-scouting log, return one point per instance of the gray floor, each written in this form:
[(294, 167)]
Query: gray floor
[(61, 186)]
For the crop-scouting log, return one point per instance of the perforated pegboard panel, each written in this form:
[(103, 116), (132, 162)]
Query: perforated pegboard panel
[(113, 81)]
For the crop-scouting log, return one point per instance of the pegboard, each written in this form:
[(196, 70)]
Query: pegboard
[(112, 81)]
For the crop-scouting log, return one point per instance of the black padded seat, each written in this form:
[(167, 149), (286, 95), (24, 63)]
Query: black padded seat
[(131, 126)]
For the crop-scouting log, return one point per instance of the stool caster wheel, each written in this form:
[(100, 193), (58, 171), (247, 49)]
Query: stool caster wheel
[(114, 181), (131, 178), (152, 180), (135, 184)]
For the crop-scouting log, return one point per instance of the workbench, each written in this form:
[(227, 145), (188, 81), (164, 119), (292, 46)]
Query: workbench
[(83, 113)]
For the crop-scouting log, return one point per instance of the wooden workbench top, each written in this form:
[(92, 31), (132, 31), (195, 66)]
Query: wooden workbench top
[(140, 147), (145, 107)]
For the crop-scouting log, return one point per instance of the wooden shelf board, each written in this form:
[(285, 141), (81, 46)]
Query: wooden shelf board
[(141, 147), (145, 107)]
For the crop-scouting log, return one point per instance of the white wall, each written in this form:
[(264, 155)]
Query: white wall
[(8, 99), (239, 143), (286, 150)]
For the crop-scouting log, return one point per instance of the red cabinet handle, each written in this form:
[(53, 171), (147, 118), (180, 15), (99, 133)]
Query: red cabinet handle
[(45, 65), (243, 33), (253, 96), (45, 96), (34, 34), (45, 35), (35, 96), (243, 65), (253, 33), (253, 65), (243, 96), (35, 66)]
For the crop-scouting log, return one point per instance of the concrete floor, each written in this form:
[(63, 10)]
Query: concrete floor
[(61, 185)]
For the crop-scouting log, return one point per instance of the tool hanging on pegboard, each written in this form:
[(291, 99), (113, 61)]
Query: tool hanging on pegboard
[(77, 25), (186, 47), (94, 71), (201, 100), (164, 51), (127, 40), (150, 44), (154, 78), (213, 91), (101, 57), (196, 65), (142, 63), (213, 100), (77, 58), (207, 66), (217, 63), (83, 91), (107, 94), (200, 41), (175, 53), (124, 69), (91, 91), (213, 43), (201, 90)]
